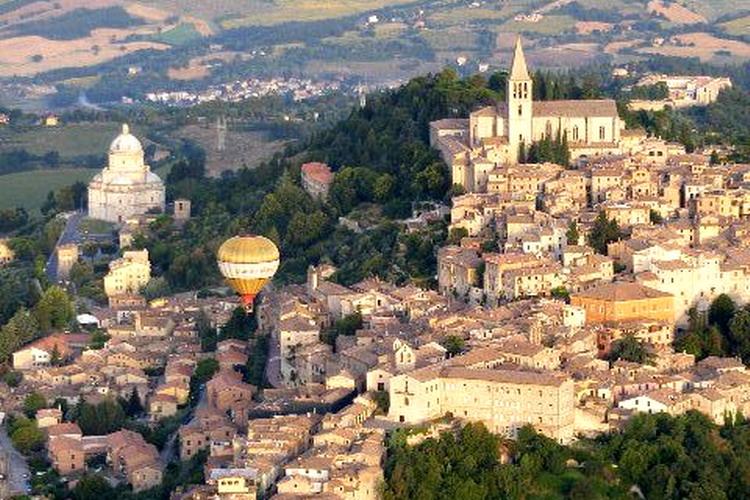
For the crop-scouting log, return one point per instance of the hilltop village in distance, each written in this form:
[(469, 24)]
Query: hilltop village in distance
[(569, 298)]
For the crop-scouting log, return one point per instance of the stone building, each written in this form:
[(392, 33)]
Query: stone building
[(128, 274), (182, 208), (316, 179), (126, 186), (620, 301), (504, 400), (497, 135), (67, 255), (6, 254)]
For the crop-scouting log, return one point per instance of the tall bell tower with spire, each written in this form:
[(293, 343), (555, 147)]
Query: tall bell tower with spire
[(520, 103)]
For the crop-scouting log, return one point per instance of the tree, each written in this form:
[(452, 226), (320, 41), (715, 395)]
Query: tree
[(134, 407), (98, 339), (26, 436), (382, 399), (655, 217), (205, 369), (55, 359), (629, 348), (155, 288), (572, 235), (721, 312), (603, 232), (92, 487), (206, 332), (561, 293), (103, 418), (453, 344), (239, 326), (13, 378), (54, 310), (348, 325), (21, 329), (739, 334), (457, 234), (32, 403), (715, 159)]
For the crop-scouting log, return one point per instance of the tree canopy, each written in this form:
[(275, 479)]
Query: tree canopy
[(686, 456)]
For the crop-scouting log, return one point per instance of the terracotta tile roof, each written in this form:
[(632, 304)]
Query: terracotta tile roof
[(63, 428), (588, 107), (622, 291), (506, 376), (319, 172)]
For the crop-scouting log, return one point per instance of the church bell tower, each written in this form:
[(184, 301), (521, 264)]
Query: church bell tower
[(519, 104)]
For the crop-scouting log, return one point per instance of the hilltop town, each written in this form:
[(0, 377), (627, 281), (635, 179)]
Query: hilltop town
[(589, 273)]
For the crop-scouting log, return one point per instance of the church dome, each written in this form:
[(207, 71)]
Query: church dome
[(126, 142)]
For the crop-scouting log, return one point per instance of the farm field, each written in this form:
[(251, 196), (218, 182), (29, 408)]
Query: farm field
[(29, 189), (72, 140), (675, 12), (282, 11), (702, 45), (737, 27), (549, 25)]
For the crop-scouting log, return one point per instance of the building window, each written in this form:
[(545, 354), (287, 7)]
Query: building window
[(575, 132), (520, 110), (602, 133), (548, 129)]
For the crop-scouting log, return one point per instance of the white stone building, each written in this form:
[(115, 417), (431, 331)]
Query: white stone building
[(126, 186), (495, 135)]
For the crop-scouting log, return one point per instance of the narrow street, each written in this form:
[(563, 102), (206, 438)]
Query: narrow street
[(273, 365), (18, 471), (69, 235)]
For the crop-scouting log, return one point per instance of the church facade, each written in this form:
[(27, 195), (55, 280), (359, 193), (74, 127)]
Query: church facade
[(494, 136), (126, 186)]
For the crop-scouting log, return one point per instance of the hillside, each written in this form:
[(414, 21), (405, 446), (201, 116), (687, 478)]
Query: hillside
[(175, 44)]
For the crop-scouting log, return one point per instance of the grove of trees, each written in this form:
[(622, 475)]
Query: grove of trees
[(659, 456)]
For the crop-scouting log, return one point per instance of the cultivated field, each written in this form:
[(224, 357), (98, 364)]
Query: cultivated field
[(702, 45), (587, 27), (548, 25), (712, 9), (262, 13), (737, 27), (675, 12), (29, 189), (28, 55), (69, 140)]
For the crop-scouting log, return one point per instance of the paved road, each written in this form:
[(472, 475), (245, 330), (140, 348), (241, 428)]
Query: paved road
[(273, 365), (17, 467), (69, 235)]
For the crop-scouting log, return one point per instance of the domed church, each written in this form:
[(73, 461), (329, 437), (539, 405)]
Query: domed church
[(126, 186)]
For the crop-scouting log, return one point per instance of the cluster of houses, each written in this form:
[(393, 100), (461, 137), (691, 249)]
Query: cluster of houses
[(152, 351), (528, 361), (287, 455), (298, 89), (128, 456), (527, 312), (683, 224), (518, 333), (682, 90)]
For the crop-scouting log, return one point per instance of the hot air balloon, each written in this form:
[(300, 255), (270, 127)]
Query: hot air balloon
[(247, 263)]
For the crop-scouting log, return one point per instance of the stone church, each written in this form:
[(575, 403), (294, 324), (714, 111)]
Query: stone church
[(126, 187), (493, 136)]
